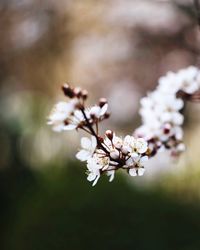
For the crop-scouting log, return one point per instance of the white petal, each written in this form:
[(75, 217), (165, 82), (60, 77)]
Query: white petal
[(129, 162), (143, 159), (85, 143), (166, 117), (178, 118), (132, 172), (91, 177), (95, 181), (94, 142), (104, 109), (134, 155), (114, 154), (125, 149), (128, 139), (179, 104), (95, 111), (136, 159), (141, 171), (69, 127), (141, 145), (181, 147), (83, 155), (191, 88), (58, 128), (58, 116), (111, 174)]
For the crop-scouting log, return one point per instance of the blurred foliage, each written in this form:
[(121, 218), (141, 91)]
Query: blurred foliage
[(60, 210)]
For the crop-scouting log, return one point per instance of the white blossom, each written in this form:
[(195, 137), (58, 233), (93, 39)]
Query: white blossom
[(94, 170), (141, 145), (136, 165), (136, 171), (96, 163), (188, 79), (60, 113), (117, 142), (98, 111), (88, 148), (162, 119)]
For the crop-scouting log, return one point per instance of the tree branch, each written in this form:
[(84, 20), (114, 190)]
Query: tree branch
[(197, 10)]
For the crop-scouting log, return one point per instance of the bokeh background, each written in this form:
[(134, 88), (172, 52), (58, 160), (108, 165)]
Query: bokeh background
[(116, 49)]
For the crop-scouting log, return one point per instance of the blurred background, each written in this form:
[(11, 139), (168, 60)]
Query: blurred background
[(116, 49)]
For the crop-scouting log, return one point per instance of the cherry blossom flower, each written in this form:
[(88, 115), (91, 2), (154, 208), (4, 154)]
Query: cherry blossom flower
[(98, 111), (161, 129), (60, 113), (94, 170), (88, 148)]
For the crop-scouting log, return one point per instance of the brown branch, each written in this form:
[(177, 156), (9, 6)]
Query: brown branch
[(189, 97), (93, 132), (197, 10)]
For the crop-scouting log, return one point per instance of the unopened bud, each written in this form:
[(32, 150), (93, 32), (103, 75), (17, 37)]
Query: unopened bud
[(109, 134), (66, 122), (93, 116), (78, 92), (100, 139), (84, 94), (79, 106), (102, 102), (167, 128), (118, 145), (107, 115), (114, 154), (68, 91), (125, 150)]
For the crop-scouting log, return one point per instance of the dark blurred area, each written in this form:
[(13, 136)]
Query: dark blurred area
[(116, 49)]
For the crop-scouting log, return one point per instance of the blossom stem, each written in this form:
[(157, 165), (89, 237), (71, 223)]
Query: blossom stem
[(89, 132), (93, 132), (97, 127)]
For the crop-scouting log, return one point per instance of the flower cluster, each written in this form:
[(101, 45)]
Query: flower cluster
[(162, 118), (73, 115), (161, 110), (113, 153)]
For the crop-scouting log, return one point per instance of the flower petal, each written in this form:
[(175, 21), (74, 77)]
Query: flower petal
[(94, 142), (141, 171), (132, 172), (69, 127), (83, 155), (85, 143), (95, 181), (111, 174), (104, 109)]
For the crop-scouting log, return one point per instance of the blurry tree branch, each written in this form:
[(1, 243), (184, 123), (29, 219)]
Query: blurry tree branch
[(197, 10)]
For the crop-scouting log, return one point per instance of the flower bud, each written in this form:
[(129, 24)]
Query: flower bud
[(125, 150), (85, 94), (109, 134), (118, 145), (107, 115), (78, 92), (69, 92), (66, 122), (114, 154), (167, 128), (102, 102), (100, 139)]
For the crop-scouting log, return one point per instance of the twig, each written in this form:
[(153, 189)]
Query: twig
[(197, 10)]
